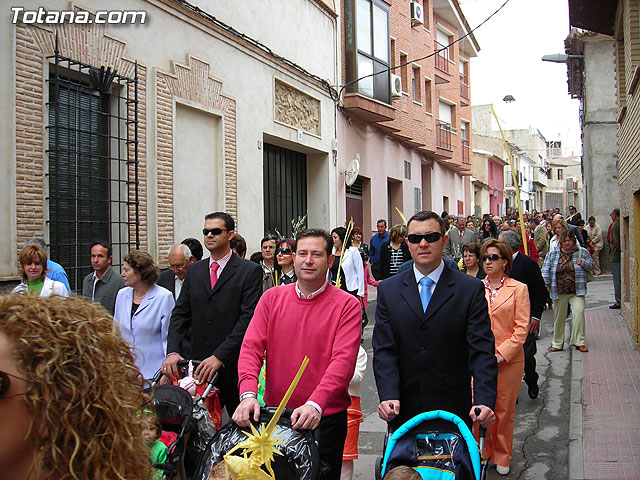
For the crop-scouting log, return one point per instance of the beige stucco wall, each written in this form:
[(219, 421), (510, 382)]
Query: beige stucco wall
[(170, 37)]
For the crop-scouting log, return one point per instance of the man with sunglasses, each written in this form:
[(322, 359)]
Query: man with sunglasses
[(432, 334), (216, 303)]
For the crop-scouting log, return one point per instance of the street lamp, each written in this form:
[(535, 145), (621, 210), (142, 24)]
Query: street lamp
[(559, 57)]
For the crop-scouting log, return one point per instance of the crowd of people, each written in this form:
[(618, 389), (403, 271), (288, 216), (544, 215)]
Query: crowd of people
[(458, 299)]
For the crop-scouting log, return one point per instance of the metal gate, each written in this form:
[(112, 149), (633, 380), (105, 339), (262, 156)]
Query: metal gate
[(93, 163), (285, 189)]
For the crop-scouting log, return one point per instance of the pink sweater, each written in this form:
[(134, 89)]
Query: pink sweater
[(325, 328)]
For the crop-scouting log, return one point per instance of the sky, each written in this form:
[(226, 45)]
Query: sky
[(510, 62)]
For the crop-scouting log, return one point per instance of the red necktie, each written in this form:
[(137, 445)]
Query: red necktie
[(609, 234), (461, 232), (214, 274)]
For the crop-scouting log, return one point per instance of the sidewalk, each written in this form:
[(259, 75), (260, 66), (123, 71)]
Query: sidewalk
[(605, 401)]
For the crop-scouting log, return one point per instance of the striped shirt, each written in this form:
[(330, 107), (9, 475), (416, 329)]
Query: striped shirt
[(395, 260)]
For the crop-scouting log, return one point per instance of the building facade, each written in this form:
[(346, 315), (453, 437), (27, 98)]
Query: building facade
[(133, 132), (409, 129), (621, 20)]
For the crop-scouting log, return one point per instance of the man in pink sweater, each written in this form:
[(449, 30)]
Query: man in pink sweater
[(312, 318)]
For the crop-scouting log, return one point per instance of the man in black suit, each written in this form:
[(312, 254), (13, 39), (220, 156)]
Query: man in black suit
[(526, 271), (432, 334), (216, 304), (180, 258)]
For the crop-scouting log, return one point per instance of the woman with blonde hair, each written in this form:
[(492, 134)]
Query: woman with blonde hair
[(33, 267), (509, 310), (70, 395), (558, 226)]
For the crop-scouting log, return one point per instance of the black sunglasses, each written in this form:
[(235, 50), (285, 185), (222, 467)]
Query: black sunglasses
[(5, 384), (430, 237), (285, 251), (213, 231), (494, 257)]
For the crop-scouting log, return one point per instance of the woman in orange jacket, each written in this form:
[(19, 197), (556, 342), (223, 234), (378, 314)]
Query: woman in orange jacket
[(509, 311)]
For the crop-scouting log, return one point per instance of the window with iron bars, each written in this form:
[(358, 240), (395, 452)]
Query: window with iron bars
[(93, 164)]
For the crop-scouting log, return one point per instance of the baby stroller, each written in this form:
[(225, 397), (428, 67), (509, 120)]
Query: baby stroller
[(438, 445), (300, 459), (187, 417)]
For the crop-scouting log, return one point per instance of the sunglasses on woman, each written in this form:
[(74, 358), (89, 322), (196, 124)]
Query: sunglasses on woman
[(5, 384), (284, 251), (493, 257), (430, 237)]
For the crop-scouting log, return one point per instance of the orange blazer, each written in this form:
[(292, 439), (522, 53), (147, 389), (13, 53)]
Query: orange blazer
[(510, 314)]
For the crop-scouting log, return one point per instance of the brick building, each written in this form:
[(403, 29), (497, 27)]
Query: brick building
[(133, 132), (411, 129)]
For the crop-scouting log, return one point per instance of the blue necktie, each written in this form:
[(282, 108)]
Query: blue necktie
[(425, 292)]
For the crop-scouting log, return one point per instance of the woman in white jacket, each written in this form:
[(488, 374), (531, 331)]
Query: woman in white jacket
[(33, 264), (351, 266)]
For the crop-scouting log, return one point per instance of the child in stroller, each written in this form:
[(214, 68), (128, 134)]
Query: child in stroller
[(438, 445), (189, 420), (300, 459)]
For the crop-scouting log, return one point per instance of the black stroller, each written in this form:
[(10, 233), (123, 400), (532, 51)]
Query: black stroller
[(438, 445), (300, 459), (188, 418)]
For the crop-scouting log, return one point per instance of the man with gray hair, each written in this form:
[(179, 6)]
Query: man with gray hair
[(180, 258), (55, 270), (526, 271)]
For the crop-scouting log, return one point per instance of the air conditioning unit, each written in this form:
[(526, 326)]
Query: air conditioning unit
[(417, 14), (396, 86)]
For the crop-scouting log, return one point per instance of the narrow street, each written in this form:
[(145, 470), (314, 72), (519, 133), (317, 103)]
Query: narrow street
[(542, 426)]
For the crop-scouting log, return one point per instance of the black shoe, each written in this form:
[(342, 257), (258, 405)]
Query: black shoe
[(533, 391), (615, 306)]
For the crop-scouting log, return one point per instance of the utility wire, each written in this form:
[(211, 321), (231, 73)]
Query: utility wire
[(389, 69)]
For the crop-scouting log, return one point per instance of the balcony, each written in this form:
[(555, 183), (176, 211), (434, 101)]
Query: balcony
[(541, 176), (442, 57), (466, 152), (464, 86), (443, 139), (367, 110)]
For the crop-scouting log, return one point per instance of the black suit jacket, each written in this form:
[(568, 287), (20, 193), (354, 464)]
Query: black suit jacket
[(528, 272), (166, 279), (218, 318), (426, 360)]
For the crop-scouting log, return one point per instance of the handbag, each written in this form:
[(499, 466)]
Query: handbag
[(589, 274)]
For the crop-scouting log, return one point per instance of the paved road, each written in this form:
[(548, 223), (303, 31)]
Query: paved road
[(541, 434)]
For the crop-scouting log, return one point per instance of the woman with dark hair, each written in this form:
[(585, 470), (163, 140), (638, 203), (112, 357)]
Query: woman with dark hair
[(564, 272), (488, 230), (509, 310), (285, 248), (394, 252), (143, 310), (33, 267), (351, 267), (70, 396), (359, 244), (471, 260)]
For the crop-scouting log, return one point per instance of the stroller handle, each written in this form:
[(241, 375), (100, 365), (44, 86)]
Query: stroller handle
[(182, 370), (482, 432)]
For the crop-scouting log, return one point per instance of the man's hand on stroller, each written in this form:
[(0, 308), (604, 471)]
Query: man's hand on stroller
[(248, 406), (389, 409), (207, 368), (305, 417), (170, 367), (486, 417)]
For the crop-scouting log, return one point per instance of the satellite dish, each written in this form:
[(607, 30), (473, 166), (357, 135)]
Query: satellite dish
[(351, 174)]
